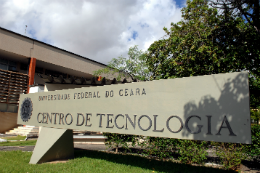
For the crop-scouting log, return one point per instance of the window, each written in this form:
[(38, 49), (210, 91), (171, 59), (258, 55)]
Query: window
[(7, 64)]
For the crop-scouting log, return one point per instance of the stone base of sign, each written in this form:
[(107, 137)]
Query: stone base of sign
[(53, 144)]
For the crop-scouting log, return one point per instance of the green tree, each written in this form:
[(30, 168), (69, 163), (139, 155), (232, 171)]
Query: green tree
[(204, 42), (189, 48), (207, 42), (238, 41), (133, 66), (248, 9), (255, 114), (254, 86)]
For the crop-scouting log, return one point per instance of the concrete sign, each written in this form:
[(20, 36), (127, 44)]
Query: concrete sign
[(210, 108)]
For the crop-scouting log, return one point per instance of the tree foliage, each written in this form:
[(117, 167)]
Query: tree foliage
[(254, 86), (205, 42), (248, 9), (133, 66), (255, 114), (189, 47)]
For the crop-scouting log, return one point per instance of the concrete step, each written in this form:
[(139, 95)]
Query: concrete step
[(25, 131), (90, 139), (20, 130), (79, 135)]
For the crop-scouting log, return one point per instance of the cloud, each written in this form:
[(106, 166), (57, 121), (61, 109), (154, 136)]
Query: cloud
[(99, 30)]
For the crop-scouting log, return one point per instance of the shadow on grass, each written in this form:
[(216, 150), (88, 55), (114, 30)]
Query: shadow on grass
[(145, 163), (253, 165)]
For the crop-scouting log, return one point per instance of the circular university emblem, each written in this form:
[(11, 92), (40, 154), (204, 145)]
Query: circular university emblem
[(26, 109)]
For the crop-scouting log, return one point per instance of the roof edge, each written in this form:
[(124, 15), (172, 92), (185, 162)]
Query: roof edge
[(52, 46)]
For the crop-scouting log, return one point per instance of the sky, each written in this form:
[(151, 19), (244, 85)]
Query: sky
[(96, 29)]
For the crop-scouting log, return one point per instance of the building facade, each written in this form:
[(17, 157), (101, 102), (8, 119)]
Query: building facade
[(34, 66)]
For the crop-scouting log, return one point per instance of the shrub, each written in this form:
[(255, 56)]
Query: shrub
[(255, 115), (253, 150), (230, 154), (189, 151), (192, 151), (120, 140), (160, 147)]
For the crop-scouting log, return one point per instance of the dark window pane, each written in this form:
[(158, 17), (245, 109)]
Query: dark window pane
[(24, 67), (3, 66), (3, 61), (11, 63), (12, 68)]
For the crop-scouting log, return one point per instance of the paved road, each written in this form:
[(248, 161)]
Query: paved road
[(22, 148), (79, 146)]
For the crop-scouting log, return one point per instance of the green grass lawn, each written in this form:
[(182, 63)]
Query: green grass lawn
[(92, 161), (15, 137), (96, 161), (18, 143)]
